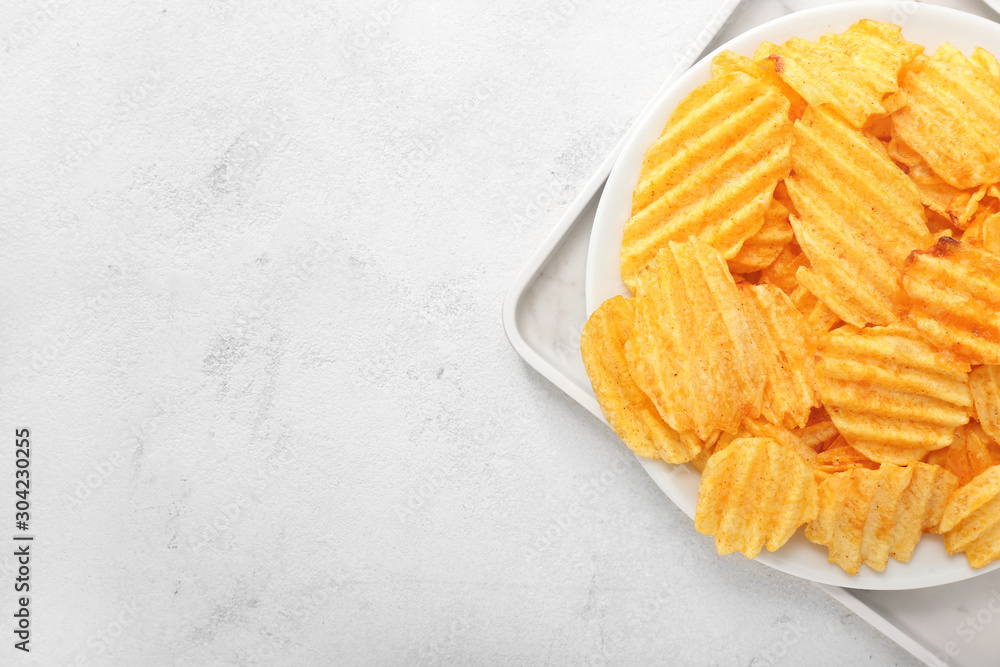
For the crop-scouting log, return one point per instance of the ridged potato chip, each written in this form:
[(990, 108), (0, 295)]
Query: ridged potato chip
[(818, 435), (712, 173), (754, 493), (890, 394), (760, 250), (851, 72), (971, 521), (786, 352), (727, 62), (970, 453), (984, 230), (840, 457), (629, 411), (984, 382), (951, 117), (954, 291), (858, 218), (692, 350), (866, 516), (957, 206)]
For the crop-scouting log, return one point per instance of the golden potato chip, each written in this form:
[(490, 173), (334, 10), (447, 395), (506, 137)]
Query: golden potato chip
[(957, 206), (920, 508), (984, 230), (761, 428), (867, 515), (970, 453), (786, 352), (818, 435), (890, 394), (851, 72), (728, 61), (781, 272), (984, 383), (954, 291), (692, 350), (880, 128), (858, 218), (971, 521), (840, 457), (760, 250), (712, 172), (754, 493), (951, 118), (629, 411)]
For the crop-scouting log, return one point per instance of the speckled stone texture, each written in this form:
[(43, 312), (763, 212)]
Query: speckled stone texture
[(254, 259)]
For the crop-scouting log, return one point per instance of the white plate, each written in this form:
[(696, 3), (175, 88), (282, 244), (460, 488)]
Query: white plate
[(924, 24)]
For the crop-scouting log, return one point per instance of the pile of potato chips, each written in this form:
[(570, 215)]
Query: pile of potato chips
[(814, 258)]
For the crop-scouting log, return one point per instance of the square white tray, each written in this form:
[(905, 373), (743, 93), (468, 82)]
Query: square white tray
[(544, 311)]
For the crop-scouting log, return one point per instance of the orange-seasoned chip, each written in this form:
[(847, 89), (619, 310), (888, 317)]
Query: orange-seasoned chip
[(761, 428), (787, 353), (629, 411), (951, 117), (891, 395), (781, 272), (840, 457), (693, 350), (970, 453), (818, 435), (851, 72), (955, 205), (712, 173), (984, 382), (984, 229), (866, 516), (728, 61), (954, 291), (858, 218), (971, 521), (760, 250), (754, 493)]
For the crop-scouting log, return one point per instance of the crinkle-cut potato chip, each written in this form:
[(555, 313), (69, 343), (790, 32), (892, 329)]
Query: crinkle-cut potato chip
[(712, 173), (692, 350), (840, 457), (892, 396), (754, 493), (984, 232), (985, 60), (781, 272), (952, 118), (858, 218), (851, 72), (760, 250), (972, 452), (866, 516), (786, 352), (957, 206), (984, 383), (879, 128), (629, 411), (971, 521), (761, 428), (818, 435), (728, 61), (954, 292)]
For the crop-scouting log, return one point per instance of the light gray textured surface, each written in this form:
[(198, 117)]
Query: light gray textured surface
[(254, 263)]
